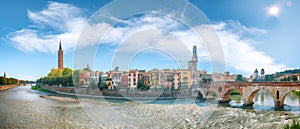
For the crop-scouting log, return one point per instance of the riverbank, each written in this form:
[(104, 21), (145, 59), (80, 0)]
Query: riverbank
[(97, 94), (41, 89), (23, 108), (65, 99), (5, 87)]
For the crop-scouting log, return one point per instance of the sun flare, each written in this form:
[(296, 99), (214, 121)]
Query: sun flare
[(274, 11)]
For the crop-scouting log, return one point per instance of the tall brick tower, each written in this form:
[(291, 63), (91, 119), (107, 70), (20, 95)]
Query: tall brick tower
[(60, 57), (4, 79)]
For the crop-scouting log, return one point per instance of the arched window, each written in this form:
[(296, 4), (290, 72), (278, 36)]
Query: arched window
[(277, 95)]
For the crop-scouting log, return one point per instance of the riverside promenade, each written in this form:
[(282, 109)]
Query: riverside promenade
[(5, 87)]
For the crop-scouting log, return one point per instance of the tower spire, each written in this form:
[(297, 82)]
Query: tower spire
[(60, 45)]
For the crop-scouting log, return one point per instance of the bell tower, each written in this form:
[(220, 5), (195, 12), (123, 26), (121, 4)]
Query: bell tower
[(193, 67), (60, 57)]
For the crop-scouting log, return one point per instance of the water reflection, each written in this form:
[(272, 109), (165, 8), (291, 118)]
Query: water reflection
[(292, 102), (263, 101)]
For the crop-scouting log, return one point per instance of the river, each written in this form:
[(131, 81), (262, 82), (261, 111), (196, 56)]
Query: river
[(22, 107)]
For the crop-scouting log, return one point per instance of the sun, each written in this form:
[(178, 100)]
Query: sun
[(274, 11)]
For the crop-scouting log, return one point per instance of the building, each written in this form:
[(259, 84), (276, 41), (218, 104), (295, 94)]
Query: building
[(155, 77), (60, 57), (193, 67), (221, 77), (84, 78), (289, 75), (167, 76), (143, 77), (262, 74), (204, 77), (133, 78), (124, 80), (176, 80), (116, 79), (4, 79), (185, 78), (256, 76)]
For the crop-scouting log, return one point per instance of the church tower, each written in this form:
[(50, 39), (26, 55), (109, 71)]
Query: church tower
[(60, 57), (4, 79), (192, 66)]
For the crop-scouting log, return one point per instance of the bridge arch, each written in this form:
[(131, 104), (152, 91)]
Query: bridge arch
[(249, 100), (282, 99), (228, 91), (212, 93), (199, 93)]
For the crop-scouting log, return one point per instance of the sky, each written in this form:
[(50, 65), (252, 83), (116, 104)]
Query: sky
[(252, 34)]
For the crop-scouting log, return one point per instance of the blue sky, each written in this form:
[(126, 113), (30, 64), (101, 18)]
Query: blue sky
[(251, 35)]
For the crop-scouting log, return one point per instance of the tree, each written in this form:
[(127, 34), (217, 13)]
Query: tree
[(240, 78), (55, 73), (76, 74), (67, 72), (140, 85), (294, 78), (1, 80)]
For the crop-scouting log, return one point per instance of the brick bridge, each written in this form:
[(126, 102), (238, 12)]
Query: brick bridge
[(248, 90)]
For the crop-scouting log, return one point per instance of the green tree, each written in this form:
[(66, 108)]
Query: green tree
[(76, 74), (140, 85), (294, 78), (67, 72), (1, 80), (55, 73), (240, 78)]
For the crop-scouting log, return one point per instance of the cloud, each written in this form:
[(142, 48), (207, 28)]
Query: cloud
[(240, 51), (66, 22), (238, 41), (58, 22)]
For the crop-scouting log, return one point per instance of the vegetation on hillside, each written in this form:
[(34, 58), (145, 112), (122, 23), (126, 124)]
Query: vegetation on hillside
[(277, 75)]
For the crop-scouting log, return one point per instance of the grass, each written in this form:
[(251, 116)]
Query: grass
[(41, 89), (236, 97), (296, 92), (294, 125)]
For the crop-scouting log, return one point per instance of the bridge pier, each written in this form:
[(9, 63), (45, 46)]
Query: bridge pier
[(248, 104), (225, 99), (278, 104)]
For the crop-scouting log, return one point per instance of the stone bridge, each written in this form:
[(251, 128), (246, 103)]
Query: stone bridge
[(248, 90)]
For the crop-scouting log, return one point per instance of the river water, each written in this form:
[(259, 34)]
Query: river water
[(22, 107)]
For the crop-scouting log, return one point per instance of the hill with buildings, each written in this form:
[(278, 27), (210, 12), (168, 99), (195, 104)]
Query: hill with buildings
[(287, 75)]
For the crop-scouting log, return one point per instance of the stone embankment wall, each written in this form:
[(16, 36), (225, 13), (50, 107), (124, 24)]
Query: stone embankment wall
[(59, 89)]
